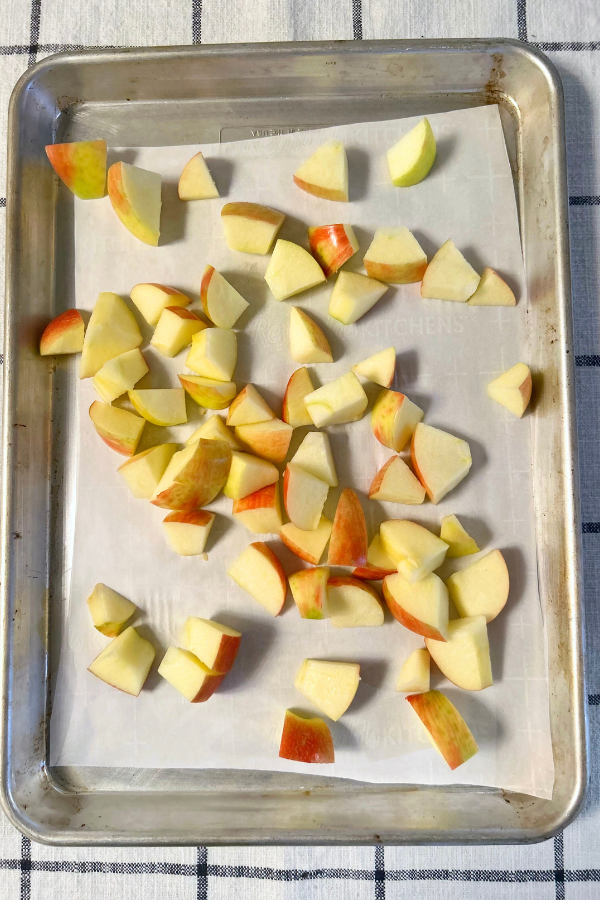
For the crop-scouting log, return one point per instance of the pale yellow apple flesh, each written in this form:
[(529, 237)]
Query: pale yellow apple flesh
[(415, 673), (162, 406), (250, 227), (307, 545), (64, 334), (314, 456), (187, 532), (339, 401), (379, 368), (249, 408), (492, 291), (175, 330), (298, 387), (260, 512), (207, 392), (214, 644), (440, 460), (184, 671), (109, 610), (292, 270), (125, 663), (309, 590), (331, 686), (135, 195), (151, 299), (460, 543), (421, 607), (482, 588), (325, 173), (214, 429), (394, 418), (396, 483), (112, 330), (512, 389), (378, 562), (464, 658), (353, 296), (196, 182), (308, 344), (447, 730), (304, 497), (411, 159), (258, 571), (415, 551), (449, 276), (118, 428), (142, 472), (248, 474), (120, 374), (395, 257), (270, 440), (220, 301), (213, 354), (353, 603)]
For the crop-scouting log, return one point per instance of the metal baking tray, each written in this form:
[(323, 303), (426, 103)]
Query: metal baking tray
[(191, 95)]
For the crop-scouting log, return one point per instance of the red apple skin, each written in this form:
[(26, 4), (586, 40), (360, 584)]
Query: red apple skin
[(340, 580), (298, 551), (285, 415), (228, 650), (264, 498), (450, 732), (418, 473), (69, 321), (383, 416), (377, 481), (253, 211), (183, 313), (388, 272), (208, 274), (330, 246), (318, 191), (349, 542), (306, 740), (268, 553), (372, 573), (209, 686), (409, 621), (193, 517)]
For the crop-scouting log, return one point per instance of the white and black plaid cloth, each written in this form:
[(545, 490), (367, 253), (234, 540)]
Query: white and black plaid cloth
[(567, 867)]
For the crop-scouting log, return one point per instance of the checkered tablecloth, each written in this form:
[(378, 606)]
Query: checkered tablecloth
[(566, 867)]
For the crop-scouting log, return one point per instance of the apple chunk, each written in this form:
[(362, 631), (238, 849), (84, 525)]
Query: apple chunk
[(305, 739), (194, 476), (415, 551), (298, 387), (135, 195), (207, 392), (512, 389), (250, 227), (292, 270), (314, 456), (411, 159), (464, 657), (308, 545), (214, 644), (353, 604), (309, 590), (64, 334), (120, 374), (331, 686), (394, 418), (151, 299), (81, 166), (184, 671), (304, 497), (379, 368), (421, 607), (196, 182), (353, 296), (213, 354), (248, 474), (339, 401), (440, 460), (270, 440), (165, 406), (112, 330), (378, 563), (109, 610), (187, 532), (325, 173), (332, 246), (308, 344), (449, 276), (395, 257), (118, 428), (459, 542), (125, 663), (447, 730), (349, 541), (492, 291), (220, 301), (260, 512), (482, 588), (415, 673), (214, 429), (142, 472), (175, 330), (249, 408), (258, 571), (396, 483)]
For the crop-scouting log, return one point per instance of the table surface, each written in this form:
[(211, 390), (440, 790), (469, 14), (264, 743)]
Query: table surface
[(566, 867)]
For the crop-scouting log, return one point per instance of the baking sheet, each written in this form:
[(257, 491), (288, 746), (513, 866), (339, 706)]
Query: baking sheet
[(446, 353)]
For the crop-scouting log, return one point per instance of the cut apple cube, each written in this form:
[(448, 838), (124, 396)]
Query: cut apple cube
[(379, 368), (378, 562), (220, 301), (415, 673), (306, 740), (249, 408), (271, 439), (331, 686), (214, 429), (184, 671), (353, 604), (447, 730), (396, 483), (260, 512), (464, 657), (415, 551), (411, 159), (250, 227), (259, 572), (395, 257), (64, 334), (314, 456), (118, 428), (196, 182), (165, 406), (332, 246), (309, 590), (482, 588), (142, 472), (348, 544), (194, 476), (308, 545), (353, 296), (207, 392), (109, 610), (112, 330), (512, 389), (292, 270), (120, 374), (492, 291), (298, 387), (421, 607), (459, 542), (151, 299), (187, 532), (214, 644), (440, 460), (394, 418), (248, 474), (175, 330), (81, 166), (308, 344), (339, 401), (213, 354), (304, 497), (449, 276), (135, 195), (125, 663), (325, 173)]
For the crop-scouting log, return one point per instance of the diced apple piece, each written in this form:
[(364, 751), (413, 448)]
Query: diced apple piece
[(394, 418), (292, 270), (306, 740), (378, 562), (492, 291), (314, 456), (395, 257), (298, 387), (64, 334), (259, 572), (464, 657), (220, 301), (304, 497), (512, 389), (440, 460), (309, 590), (109, 610), (339, 401), (207, 392), (118, 428), (120, 374), (349, 540), (214, 644), (379, 368), (482, 588), (214, 429), (135, 195), (151, 299), (459, 542), (125, 663), (421, 607), (308, 545), (331, 686), (187, 532), (353, 296), (184, 671), (353, 604), (194, 476), (248, 474), (449, 276), (411, 159), (325, 173), (81, 165), (260, 512), (415, 673), (196, 182), (249, 408), (332, 246), (250, 227), (447, 730), (396, 483), (165, 406), (213, 354), (112, 330), (270, 440), (415, 551), (142, 472), (175, 330), (308, 344)]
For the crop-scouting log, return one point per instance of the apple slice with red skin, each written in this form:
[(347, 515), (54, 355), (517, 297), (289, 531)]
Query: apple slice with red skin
[(394, 418), (309, 590), (250, 227), (308, 343), (175, 330), (308, 545), (464, 658), (353, 604), (151, 299), (248, 408), (258, 571), (248, 474), (421, 607), (187, 532), (126, 185), (512, 389), (482, 588), (379, 368), (270, 440), (349, 541), (81, 166), (260, 511), (214, 644), (118, 428), (220, 301), (492, 291), (440, 460), (395, 256), (332, 246), (207, 392), (325, 172), (306, 740), (378, 563), (194, 476), (413, 548), (396, 483), (447, 729), (188, 675), (64, 334), (304, 497), (196, 182), (109, 610), (298, 387)]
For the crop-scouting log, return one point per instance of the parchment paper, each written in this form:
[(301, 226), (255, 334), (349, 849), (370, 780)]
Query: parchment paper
[(447, 352)]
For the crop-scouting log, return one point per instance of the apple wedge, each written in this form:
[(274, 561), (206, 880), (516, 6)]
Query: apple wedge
[(379, 368), (125, 663), (187, 532), (260, 512), (421, 607), (307, 545), (112, 330), (250, 227), (118, 428), (396, 483), (309, 590), (378, 563), (175, 330), (151, 299), (349, 541), (459, 542), (339, 401), (196, 182), (109, 610), (449, 276), (298, 387), (207, 392), (353, 603), (194, 476), (249, 408), (308, 344), (353, 296), (135, 195), (248, 474), (411, 159), (142, 472), (259, 573), (213, 354), (482, 588), (325, 173), (120, 374), (330, 685), (440, 460), (81, 166), (415, 551), (446, 728), (306, 740), (64, 334), (332, 246), (214, 429), (395, 257), (271, 439), (214, 644), (304, 497), (184, 671), (415, 673), (292, 270), (512, 389), (165, 406), (492, 291), (220, 301), (315, 457), (464, 657), (394, 418)]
